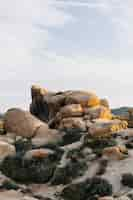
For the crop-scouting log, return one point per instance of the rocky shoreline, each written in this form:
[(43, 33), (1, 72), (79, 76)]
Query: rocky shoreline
[(68, 146)]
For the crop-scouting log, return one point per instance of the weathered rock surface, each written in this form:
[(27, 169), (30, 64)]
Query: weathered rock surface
[(68, 147), (35, 166), (22, 123), (45, 105), (6, 150)]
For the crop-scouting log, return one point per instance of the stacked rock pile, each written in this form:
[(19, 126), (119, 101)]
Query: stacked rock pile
[(68, 147), (79, 110)]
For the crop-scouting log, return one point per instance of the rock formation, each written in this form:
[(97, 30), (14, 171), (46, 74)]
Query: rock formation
[(69, 146)]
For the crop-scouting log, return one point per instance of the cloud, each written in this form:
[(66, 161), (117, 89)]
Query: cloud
[(24, 32), (87, 4), (121, 15), (118, 12)]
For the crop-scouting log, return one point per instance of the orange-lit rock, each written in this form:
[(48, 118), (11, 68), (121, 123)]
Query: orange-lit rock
[(116, 152), (98, 112)]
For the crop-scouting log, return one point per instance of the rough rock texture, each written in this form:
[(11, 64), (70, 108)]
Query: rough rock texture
[(22, 123), (46, 105), (6, 149), (124, 113), (68, 147)]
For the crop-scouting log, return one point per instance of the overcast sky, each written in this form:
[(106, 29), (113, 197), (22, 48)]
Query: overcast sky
[(66, 44)]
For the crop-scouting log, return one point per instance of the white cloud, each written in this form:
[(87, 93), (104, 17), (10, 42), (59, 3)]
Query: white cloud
[(77, 3), (119, 12), (24, 32), (25, 58), (121, 15)]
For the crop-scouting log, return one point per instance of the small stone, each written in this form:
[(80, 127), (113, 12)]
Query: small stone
[(6, 150), (38, 153)]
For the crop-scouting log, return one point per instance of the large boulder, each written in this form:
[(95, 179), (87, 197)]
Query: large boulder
[(22, 123), (45, 104)]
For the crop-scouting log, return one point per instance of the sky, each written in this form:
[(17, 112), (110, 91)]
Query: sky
[(59, 44)]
